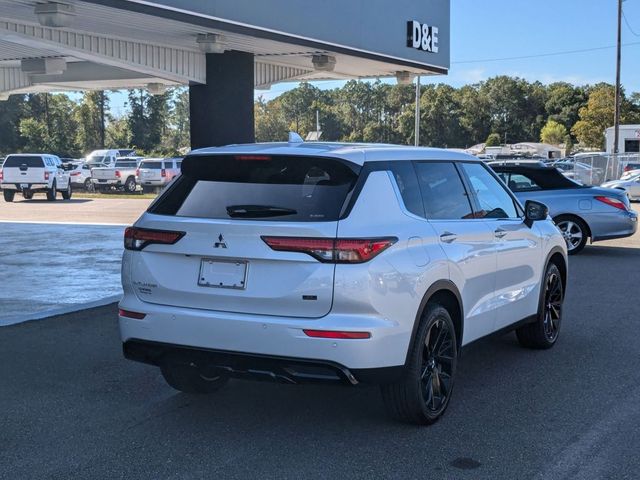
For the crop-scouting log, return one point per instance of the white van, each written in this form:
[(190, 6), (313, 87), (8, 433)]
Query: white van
[(102, 158)]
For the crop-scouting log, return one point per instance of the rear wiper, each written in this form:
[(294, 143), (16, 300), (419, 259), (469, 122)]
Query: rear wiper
[(258, 211)]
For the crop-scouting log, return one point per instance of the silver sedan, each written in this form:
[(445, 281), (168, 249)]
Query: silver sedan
[(580, 212), (630, 185)]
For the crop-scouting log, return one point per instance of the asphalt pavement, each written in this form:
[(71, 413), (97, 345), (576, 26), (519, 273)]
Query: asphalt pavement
[(72, 407)]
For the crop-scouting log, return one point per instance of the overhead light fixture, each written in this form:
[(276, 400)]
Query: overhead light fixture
[(43, 66), (4, 96), (211, 43), (155, 88), (52, 14), (323, 63), (404, 77)]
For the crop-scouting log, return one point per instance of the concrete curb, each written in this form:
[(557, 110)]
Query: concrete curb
[(5, 322)]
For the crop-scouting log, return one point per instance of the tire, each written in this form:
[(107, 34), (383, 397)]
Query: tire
[(431, 367), (27, 195), (52, 192), (8, 195), (187, 378), (88, 185), (574, 231), (130, 185), (66, 195), (543, 333)]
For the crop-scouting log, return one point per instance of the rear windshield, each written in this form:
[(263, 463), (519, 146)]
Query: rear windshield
[(18, 160), (254, 187), (129, 164), (151, 165)]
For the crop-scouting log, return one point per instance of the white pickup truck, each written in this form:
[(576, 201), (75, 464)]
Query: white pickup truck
[(34, 173), (121, 176)]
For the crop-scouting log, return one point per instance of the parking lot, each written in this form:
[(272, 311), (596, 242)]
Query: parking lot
[(73, 407)]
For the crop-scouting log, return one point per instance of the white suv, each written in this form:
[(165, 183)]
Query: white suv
[(336, 263)]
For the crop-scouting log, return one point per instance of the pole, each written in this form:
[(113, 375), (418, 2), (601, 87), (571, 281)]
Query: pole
[(616, 120), (102, 142), (417, 124)]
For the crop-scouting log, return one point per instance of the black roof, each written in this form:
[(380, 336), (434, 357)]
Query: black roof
[(547, 178)]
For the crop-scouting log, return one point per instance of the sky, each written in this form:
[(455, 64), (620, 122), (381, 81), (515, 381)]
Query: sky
[(484, 30)]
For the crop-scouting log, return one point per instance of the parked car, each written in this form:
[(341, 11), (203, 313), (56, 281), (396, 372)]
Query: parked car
[(581, 212), (580, 172), (336, 263), (80, 174), (630, 173), (122, 176), (155, 173), (102, 158), (34, 173), (631, 186), (630, 167)]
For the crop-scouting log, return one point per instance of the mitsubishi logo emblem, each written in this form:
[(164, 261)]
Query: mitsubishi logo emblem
[(220, 243)]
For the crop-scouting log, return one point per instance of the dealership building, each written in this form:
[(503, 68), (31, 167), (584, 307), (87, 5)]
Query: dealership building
[(221, 49)]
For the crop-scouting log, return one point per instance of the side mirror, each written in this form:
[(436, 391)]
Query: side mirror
[(534, 211)]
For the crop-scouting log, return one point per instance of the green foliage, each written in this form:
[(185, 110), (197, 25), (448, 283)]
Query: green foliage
[(493, 140), (371, 111), (553, 133)]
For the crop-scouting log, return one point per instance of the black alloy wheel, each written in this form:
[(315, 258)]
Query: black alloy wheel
[(543, 333)]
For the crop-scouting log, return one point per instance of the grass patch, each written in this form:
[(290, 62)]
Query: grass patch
[(115, 196)]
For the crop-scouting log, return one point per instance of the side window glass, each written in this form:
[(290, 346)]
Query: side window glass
[(494, 201), (521, 183), (443, 192), (407, 182)]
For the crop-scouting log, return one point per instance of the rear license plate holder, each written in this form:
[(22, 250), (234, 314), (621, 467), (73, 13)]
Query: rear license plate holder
[(217, 273), (24, 185)]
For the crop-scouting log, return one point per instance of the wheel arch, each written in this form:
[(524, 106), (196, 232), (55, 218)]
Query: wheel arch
[(446, 294), (557, 257)]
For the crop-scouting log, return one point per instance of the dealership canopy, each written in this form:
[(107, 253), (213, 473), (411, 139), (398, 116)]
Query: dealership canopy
[(230, 46)]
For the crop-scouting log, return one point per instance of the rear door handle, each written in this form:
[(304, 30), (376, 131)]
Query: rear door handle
[(448, 237), (500, 233)]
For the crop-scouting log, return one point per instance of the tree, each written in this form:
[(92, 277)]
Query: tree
[(11, 113), (91, 119), (117, 133), (180, 120), (270, 124), (553, 133), (493, 140), (564, 102), (596, 116), (34, 135)]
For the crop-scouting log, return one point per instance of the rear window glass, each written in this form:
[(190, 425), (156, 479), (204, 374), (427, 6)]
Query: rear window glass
[(250, 187), (18, 160), (151, 165), (126, 164)]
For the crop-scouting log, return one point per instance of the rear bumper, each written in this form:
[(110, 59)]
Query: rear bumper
[(153, 183), (607, 226), (255, 367), (107, 182), (271, 336), (30, 186)]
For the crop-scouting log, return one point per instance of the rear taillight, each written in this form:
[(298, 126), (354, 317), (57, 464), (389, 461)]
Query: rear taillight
[(614, 202), (336, 334), (46, 175), (163, 173), (627, 168), (253, 158), (1, 175), (329, 250), (130, 314), (138, 238), (118, 173), (137, 172)]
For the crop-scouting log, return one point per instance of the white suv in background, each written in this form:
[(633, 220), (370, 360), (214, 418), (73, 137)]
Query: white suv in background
[(33, 173), (156, 173), (336, 263)]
